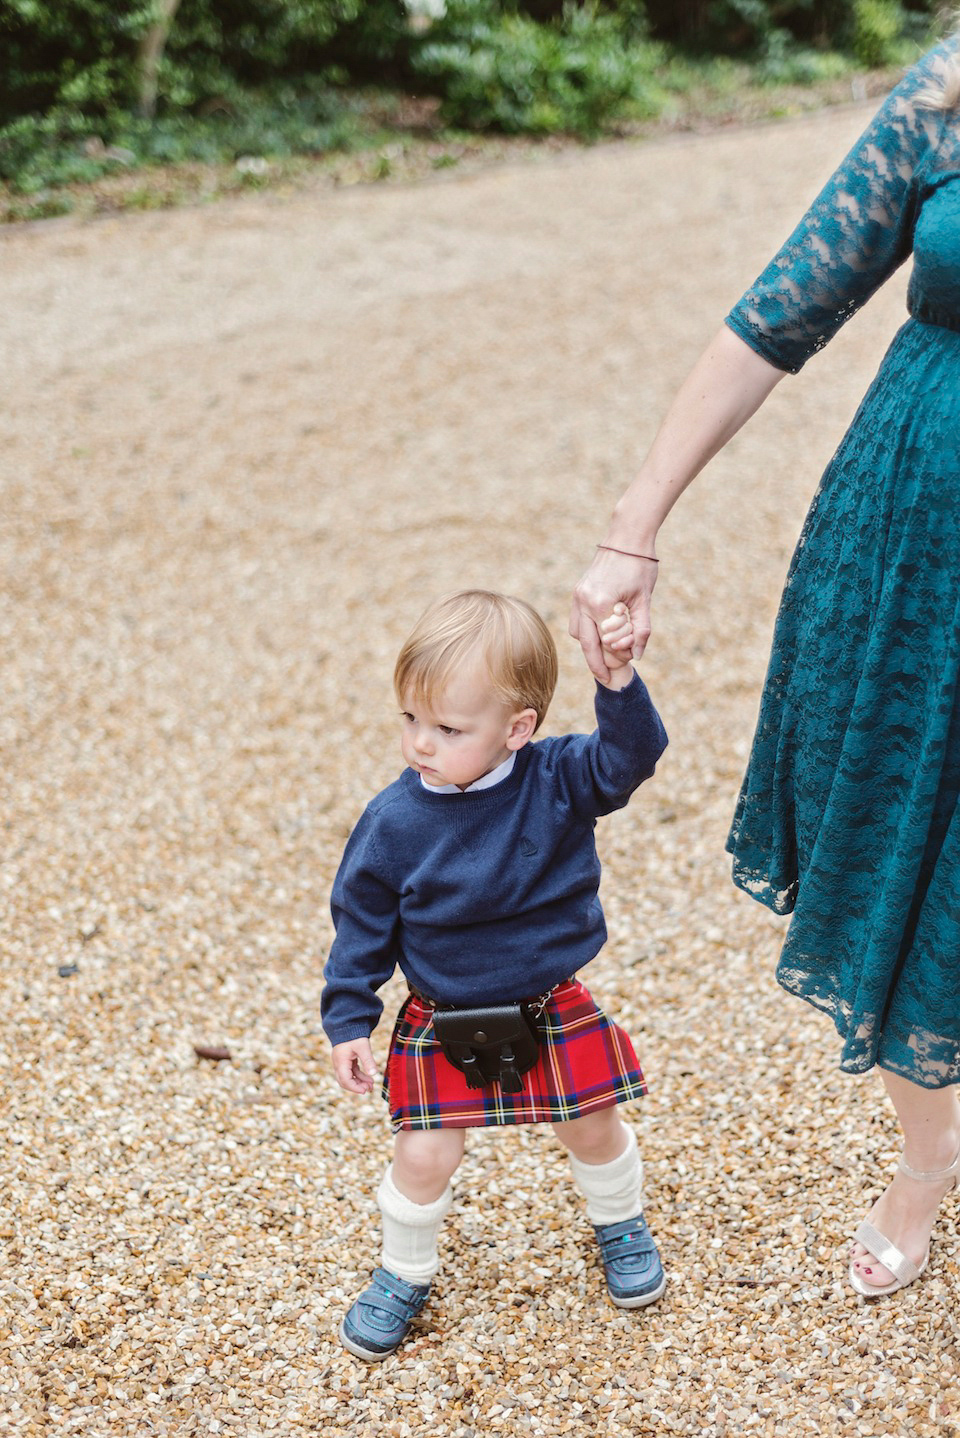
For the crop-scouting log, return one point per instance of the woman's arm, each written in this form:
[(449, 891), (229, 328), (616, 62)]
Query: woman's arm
[(858, 230), (726, 386)]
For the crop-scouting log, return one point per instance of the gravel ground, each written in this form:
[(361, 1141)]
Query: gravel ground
[(241, 448)]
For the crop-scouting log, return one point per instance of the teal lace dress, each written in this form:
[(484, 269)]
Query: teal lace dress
[(848, 817)]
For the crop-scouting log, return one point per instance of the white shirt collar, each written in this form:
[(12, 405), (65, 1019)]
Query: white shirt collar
[(486, 781)]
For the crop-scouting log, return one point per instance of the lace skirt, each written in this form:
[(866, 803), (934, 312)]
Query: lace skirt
[(848, 816)]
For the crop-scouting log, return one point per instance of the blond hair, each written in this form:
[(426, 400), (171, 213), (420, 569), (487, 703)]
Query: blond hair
[(506, 634)]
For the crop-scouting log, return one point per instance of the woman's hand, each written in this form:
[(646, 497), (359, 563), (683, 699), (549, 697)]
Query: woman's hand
[(354, 1066), (726, 386), (612, 579)]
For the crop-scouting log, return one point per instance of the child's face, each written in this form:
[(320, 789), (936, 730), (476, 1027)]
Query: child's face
[(463, 733)]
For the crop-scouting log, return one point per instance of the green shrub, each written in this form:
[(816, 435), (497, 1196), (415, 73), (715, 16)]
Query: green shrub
[(66, 52), (878, 26), (506, 72), (752, 27), (67, 147), (85, 53), (261, 77), (782, 61)]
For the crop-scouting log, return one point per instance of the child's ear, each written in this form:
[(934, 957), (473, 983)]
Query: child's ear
[(522, 726)]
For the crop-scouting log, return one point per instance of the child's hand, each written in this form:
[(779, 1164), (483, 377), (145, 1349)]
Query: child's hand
[(354, 1066), (616, 638)]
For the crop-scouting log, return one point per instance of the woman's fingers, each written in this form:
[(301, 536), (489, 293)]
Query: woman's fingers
[(640, 622), (584, 630)]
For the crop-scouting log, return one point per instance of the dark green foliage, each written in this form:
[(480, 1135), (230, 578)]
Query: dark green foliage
[(251, 77), (504, 71), (265, 77), (877, 28), (231, 42), (73, 52), (66, 146), (872, 31), (83, 53)]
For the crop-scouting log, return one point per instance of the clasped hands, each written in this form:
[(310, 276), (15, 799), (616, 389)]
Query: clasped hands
[(615, 581)]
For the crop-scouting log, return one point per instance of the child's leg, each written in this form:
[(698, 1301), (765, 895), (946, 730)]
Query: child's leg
[(425, 1160), (606, 1164), (608, 1172), (414, 1198)]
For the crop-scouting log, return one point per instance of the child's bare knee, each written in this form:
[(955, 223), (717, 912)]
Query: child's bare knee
[(428, 1159), (595, 1137)]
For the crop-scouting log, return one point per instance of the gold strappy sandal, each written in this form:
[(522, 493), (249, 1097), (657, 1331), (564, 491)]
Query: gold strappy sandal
[(886, 1253)]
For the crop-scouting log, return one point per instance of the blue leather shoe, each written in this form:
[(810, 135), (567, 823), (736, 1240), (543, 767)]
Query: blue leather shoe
[(631, 1263), (380, 1319)]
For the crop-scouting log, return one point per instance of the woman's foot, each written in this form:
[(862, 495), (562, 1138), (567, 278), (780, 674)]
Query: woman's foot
[(905, 1214)]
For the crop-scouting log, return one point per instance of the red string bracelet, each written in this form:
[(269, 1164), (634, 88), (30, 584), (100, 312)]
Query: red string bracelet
[(629, 553)]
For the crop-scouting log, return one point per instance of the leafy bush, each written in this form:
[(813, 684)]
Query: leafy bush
[(67, 147), (504, 71), (260, 77), (877, 29), (782, 61), (85, 54), (66, 52), (753, 27)]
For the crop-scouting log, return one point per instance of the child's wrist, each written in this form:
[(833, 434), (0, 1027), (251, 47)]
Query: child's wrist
[(620, 673)]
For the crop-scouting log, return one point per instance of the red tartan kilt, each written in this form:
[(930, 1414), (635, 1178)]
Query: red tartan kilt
[(586, 1063)]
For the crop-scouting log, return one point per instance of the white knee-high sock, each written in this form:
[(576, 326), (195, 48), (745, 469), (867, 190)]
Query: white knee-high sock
[(410, 1231), (614, 1191)]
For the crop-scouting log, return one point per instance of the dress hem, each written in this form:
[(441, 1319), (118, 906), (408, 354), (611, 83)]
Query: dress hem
[(757, 885), (864, 1063)]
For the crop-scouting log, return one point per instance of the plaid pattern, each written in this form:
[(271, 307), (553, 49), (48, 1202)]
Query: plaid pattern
[(586, 1063)]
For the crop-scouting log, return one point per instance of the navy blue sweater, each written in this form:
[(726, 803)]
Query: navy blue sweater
[(488, 896)]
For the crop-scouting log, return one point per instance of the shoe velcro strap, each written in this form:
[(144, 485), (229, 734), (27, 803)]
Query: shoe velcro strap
[(388, 1303), (887, 1253), (396, 1295), (629, 1238)]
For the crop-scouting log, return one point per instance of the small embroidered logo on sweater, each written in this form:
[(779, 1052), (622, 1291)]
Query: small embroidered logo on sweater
[(527, 847)]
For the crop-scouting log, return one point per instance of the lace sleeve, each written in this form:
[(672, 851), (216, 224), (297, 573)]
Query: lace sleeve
[(855, 234)]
